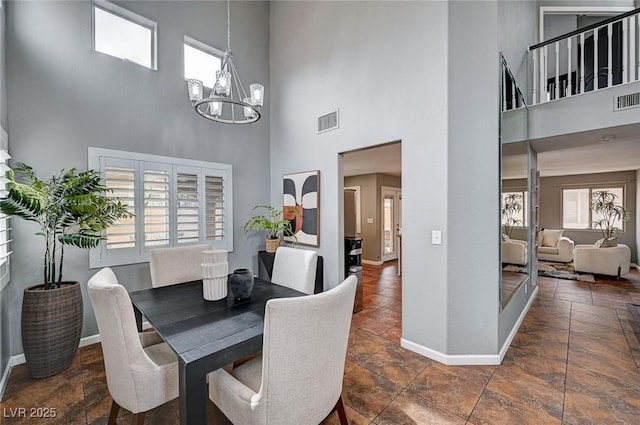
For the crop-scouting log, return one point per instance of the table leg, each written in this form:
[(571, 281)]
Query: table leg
[(193, 394), (138, 315)]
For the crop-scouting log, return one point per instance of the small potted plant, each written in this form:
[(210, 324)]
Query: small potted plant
[(271, 221), (71, 208)]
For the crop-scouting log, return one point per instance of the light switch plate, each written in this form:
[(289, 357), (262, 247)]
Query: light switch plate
[(369, 220), (436, 237)]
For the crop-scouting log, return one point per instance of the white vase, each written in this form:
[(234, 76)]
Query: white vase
[(215, 269)]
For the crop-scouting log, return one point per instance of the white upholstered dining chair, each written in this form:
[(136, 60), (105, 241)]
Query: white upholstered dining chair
[(176, 265), (142, 371), (297, 379), (295, 269)]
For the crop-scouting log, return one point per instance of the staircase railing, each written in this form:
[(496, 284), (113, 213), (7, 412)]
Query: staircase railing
[(598, 56)]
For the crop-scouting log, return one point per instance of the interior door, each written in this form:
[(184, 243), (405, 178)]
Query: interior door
[(391, 215)]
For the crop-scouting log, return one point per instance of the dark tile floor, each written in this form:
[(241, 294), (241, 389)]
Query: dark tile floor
[(574, 361)]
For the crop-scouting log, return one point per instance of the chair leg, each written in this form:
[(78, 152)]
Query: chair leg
[(138, 419), (113, 415), (341, 413), (619, 271)]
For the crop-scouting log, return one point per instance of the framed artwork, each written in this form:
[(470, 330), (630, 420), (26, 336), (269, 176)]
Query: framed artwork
[(301, 206)]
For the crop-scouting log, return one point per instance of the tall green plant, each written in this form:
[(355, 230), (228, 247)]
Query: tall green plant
[(71, 208), (511, 205), (603, 204), (272, 221)]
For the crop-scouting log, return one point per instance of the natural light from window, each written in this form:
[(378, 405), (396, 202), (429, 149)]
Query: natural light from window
[(576, 207), (200, 65), (123, 38)]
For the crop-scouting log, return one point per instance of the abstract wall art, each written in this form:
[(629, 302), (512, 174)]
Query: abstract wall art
[(301, 206)]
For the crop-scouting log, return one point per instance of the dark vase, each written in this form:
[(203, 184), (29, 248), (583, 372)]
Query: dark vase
[(241, 283)]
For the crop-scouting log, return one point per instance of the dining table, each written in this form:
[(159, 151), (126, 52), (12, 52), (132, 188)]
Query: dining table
[(205, 335)]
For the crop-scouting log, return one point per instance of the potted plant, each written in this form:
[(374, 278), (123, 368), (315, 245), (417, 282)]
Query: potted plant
[(604, 205), (71, 208), (273, 222), (511, 205)]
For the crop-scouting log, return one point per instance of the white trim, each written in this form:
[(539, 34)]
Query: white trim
[(20, 359), (470, 359), (373, 263)]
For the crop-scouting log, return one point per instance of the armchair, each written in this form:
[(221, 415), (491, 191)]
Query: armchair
[(552, 246), (514, 252)]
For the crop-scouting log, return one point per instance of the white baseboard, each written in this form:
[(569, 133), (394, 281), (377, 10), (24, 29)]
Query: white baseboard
[(470, 359), (373, 263), (20, 359)]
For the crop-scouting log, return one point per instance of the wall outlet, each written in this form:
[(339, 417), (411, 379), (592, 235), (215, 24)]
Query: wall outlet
[(369, 220), (436, 237)]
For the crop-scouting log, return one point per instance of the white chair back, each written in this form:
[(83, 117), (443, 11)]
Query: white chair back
[(304, 350), (130, 371), (176, 265), (295, 269)]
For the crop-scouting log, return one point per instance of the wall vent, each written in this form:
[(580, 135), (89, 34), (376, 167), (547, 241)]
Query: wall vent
[(627, 101), (328, 122)]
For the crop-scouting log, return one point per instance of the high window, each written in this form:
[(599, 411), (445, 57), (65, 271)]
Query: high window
[(576, 207), (123, 34), (201, 61), (176, 202)]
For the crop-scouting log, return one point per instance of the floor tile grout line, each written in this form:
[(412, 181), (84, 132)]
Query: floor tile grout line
[(566, 369)]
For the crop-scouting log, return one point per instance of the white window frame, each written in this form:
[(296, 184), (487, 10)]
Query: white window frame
[(101, 257), (205, 48), (131, 17), (5, 258), (591, 188)]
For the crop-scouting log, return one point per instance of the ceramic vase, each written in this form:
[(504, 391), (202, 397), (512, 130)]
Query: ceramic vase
[(241, 283), (215, 269)]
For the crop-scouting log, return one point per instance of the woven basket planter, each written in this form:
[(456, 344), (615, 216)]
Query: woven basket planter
[(272, 244), (51, 328)]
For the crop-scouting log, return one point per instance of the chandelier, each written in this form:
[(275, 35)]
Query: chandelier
[(224, 104)]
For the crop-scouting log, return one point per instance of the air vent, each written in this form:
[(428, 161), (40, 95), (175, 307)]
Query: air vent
[(328, 122), (627, 101)]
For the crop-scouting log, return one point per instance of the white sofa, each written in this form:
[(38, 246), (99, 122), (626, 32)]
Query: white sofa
[(612, 261), (514, 252), (561, 253)]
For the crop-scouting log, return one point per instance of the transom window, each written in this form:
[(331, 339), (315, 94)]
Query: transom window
[(201, 61), (576, 207), (123, 34), (176, 202)]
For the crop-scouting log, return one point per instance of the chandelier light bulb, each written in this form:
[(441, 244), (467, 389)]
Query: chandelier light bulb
[(257, 94), (216, 108), (223, 83), (248, 112), (196, 89)]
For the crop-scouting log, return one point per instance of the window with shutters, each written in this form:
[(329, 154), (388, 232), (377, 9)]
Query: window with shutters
[(5, 250), (175, 202), (576, 207)]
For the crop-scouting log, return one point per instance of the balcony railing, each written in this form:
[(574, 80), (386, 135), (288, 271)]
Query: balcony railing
[(601, 55)]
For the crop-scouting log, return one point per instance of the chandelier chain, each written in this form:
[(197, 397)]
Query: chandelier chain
[(228, 25)]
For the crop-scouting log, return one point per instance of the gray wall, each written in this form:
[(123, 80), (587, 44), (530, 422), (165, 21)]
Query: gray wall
[(551, 206), (370, 200), (336, 69), (517, 30), (64, 97)]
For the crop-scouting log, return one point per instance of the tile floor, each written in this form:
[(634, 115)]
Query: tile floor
[(574, 361)]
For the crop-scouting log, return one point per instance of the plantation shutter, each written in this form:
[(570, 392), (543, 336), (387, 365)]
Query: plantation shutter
[(187, 206), (156, 183), (215, 207), (120, 177), (4, 220)]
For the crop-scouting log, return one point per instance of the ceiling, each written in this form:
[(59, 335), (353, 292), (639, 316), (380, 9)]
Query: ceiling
[(384, 159), (598, 151)]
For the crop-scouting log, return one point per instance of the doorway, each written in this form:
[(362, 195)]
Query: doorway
[(391, 222)]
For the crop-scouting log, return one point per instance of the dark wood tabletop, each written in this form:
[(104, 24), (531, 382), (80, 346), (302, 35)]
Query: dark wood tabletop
[(206, 335)]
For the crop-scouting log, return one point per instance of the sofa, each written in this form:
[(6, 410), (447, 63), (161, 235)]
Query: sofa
[(514, 251), (610, 261), (552, 246)]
